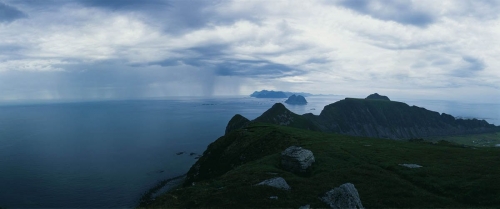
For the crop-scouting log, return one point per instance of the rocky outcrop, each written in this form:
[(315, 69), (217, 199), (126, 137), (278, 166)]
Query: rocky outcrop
[(278, 114), (296, 100), (296, 159), (277, 182), (378, 97), (236, 122), (345, 196)]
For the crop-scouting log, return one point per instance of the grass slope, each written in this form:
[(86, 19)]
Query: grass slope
[(451, 176), (477, 140)]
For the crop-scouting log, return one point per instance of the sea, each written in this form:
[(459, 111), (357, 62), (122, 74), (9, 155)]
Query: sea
[(108, 153)]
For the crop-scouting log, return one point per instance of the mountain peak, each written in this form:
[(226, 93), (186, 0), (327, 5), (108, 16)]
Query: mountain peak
[(236, 122), (378, 97)]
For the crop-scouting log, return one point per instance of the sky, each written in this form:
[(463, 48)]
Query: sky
[(120, 49)]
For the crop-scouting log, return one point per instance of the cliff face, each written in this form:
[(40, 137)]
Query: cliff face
[(378, 118)]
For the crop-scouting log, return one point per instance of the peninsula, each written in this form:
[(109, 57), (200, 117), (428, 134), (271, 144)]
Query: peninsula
[(346, 158)]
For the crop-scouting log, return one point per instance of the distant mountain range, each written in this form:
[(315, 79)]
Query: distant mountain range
[(375, 116), (277, 94)]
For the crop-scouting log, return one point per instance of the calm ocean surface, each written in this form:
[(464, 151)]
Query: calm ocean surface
[(106, 154)]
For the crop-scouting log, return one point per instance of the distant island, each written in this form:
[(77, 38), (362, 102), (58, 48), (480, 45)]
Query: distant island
[(276, 94), (296, 100)]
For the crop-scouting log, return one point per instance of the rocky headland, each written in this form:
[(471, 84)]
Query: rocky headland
[(377, 116), (285, 160)]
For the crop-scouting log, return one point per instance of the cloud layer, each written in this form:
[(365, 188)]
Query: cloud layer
[(90, 49)]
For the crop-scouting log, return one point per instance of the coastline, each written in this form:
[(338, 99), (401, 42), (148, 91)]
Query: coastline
[(160, 188)]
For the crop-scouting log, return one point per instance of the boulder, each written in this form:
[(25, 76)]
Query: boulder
[(410, 165), (345, 196), (296, 159), (305, 207), (277, 182)]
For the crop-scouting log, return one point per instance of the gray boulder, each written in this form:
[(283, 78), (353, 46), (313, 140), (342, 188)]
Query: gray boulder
[(296, 159), (277, 182), (410, 165), (345, 196)]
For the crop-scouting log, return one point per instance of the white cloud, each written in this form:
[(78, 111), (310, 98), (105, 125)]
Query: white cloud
[(297, 45), (32, 65)]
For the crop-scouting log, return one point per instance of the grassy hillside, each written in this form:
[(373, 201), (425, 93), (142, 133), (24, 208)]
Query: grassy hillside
[(451, 176), (477, 140)]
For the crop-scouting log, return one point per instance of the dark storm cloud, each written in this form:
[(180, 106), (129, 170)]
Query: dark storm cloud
[(11, 49), (125, 4), (248, 68), (399, 11), (242, 68), (472, 66), (215, 57), (175, 17), (9, 13)]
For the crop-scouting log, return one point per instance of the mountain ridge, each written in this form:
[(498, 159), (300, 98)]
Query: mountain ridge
[(379, 118)]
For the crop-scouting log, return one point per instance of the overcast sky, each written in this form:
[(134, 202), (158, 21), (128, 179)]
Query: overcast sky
[(106, 49)]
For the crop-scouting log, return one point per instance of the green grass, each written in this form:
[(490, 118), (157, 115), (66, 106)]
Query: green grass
[(477, 140), (451, 176)]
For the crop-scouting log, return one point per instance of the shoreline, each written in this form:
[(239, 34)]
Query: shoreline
[(160, 188)]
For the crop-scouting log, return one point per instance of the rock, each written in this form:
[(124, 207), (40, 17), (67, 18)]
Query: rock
[(410, 165), (179, 153), (497, 145), (305, 206), (345, 196), (296, 159), (296, 100), (277, 182), (378, 97)]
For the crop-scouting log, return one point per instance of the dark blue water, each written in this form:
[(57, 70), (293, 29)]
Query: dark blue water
[(106, 154)]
